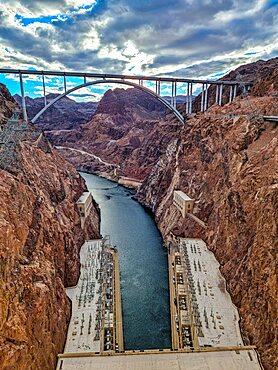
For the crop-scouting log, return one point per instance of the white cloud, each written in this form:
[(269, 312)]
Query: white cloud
[(155, 37), (242, 9), (91, 40), (46, 8)]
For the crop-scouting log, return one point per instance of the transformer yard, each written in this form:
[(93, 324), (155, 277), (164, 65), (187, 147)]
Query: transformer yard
[(203, 317), (204, 322), (96, 322)]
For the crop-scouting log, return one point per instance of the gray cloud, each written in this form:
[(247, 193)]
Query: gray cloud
[(170, 34)]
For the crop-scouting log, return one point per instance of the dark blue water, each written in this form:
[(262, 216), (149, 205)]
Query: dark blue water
[(143, 264)]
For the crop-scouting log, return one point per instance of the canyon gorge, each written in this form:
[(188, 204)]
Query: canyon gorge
[(226, 159), (40, 237)]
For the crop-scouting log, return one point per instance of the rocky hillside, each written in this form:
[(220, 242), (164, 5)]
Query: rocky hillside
[(40, 237), (66, 114), (128, 131), (227, 159), (7, 104), (264, 75)]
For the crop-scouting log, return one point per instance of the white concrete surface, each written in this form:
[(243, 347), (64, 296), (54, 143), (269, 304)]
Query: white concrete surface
[(82, 332), (228, 360), (218, 315), (213, 298), (83, 197), (182, 195)]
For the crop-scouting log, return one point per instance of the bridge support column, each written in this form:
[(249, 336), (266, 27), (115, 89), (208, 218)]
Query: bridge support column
[(175, 95), (187, 99), (231, 94), (220, 94), (190, 104), (65, 84), (85, 80), (157, 87), (25, 118), (235, 91), (44, 95), (202, 99), (216, 96), (206, 98)]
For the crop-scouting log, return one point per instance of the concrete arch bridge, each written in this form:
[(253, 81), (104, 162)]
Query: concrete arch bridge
[(134, 81)]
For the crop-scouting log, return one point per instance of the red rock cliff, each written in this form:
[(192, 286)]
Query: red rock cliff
[(40, 237), (227, 159), (128, 131)]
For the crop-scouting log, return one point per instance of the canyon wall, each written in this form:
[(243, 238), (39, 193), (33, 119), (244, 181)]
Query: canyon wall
[(66, 114), (128, 133), (40, 237), (7, 104), (227, 160)]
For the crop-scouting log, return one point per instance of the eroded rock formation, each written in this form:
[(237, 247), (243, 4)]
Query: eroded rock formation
[(40, 237), (227, 159), (66, 114), (128, 131), (7, 104)]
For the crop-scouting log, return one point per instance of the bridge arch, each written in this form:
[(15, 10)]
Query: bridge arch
[(123, 82)]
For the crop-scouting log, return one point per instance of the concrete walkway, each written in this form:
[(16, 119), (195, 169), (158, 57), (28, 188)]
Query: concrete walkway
[(226, 360)]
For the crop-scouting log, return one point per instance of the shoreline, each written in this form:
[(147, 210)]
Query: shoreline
[(124, 181)]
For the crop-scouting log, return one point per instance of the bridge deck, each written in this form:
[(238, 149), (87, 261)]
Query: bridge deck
[(127, 77)]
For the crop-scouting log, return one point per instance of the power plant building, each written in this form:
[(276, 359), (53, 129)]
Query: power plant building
[(84, 205), (183, 202)]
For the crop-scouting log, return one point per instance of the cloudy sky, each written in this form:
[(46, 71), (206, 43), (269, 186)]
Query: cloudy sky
[(185, 38)]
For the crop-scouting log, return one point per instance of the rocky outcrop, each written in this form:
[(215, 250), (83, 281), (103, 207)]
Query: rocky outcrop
[(263, 75), (40, 237), (227, 159), (7, 104), (128, 130), (66, 114)]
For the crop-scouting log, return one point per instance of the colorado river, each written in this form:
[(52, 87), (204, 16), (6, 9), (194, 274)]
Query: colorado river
[(143, 264)]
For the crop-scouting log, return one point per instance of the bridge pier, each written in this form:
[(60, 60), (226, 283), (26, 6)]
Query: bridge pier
[(174, 95), (231, 94), (65, 84), (157, 87), (44, 95), (216, 96), (206, 98), (202, 99), (190, 105), (25, 118), (220, 94), (187, 99), (235, 91)]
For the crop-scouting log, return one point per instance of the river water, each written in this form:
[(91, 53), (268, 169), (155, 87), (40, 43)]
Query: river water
[(143, 264)]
